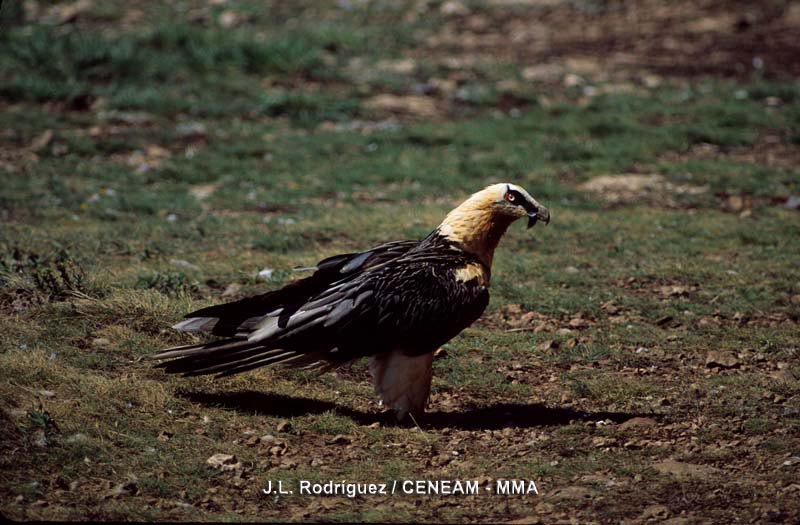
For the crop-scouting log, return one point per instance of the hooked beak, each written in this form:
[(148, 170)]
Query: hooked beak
[(540, 214)]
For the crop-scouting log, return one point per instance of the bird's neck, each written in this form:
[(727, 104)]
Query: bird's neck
[(476, 229)]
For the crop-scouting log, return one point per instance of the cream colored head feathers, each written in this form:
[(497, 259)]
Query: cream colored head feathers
[(480, 221)]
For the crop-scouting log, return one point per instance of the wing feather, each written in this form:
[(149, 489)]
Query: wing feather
[(237, 317)]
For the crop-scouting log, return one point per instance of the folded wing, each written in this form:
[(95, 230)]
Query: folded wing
[(360, 304), (239, 318)]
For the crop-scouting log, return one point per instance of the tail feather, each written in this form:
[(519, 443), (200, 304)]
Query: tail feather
[(216, 364), (230, 356), (200, 348), (207, 356), (196, 324), (292, 359)]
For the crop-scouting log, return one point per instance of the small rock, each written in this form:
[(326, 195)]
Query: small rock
[(651, 81), (602, 442), (418, 105), (126, 117), (574, 492), (39, 438), (637, 422), (229, 19), (47, 393), (101, 342), (677, 520), (655, 512), (683, 471), (528, 520), (791, 462), (341, 439), (793, 202), (42, 141), (265, 274), (440, 461), (283, 426), (188, 129), (223, 462), (126, 488), (405, 66), (664, 320), (542, 72), (721, 359), (77, 438), (181, 263), (549, 345), (202, 191), (288, 464), (453, 7), (232, 289), (572, 80), (610, 307), (278, 450)]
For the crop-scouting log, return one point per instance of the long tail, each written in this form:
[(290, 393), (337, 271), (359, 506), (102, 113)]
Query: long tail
[(231, 356)]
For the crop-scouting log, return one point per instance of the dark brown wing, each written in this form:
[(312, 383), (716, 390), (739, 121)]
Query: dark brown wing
[(414, 302), (240, 317)]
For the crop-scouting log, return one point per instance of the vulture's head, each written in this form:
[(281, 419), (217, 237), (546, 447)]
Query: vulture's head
[(479, 222), (514, 202)]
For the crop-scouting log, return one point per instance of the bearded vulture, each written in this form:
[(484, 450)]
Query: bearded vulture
[(396, 303)]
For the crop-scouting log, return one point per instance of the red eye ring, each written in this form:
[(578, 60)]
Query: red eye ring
[(510, 197)]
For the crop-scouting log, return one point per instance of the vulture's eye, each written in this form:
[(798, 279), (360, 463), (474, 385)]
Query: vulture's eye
[(510, 197)]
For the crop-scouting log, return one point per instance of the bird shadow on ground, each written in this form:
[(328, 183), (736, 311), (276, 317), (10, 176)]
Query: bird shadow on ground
[(490, 417)]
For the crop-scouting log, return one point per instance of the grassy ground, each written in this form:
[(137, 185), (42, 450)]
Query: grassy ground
[(640, 359)]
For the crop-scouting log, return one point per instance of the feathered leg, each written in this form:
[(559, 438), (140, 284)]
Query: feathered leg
[(402, 381)]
